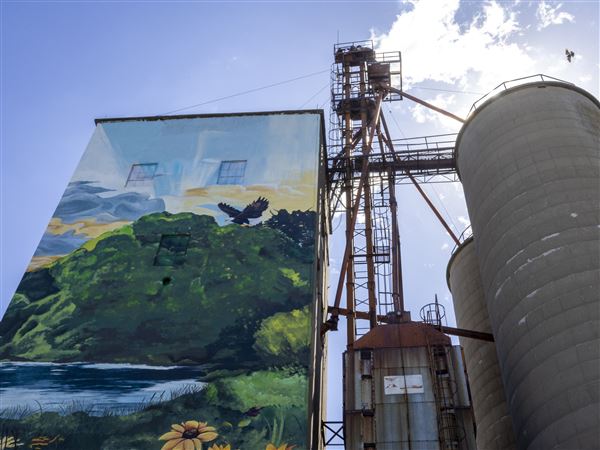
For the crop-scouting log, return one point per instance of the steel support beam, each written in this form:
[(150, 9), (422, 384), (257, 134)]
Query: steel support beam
[(444, 329), (364, 175), (427, 105)]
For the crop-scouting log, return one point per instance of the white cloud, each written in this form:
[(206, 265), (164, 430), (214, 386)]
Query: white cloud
[(436, 48), (547, 15), (475, 46), (445, 246), (421, 114), (464, 221)]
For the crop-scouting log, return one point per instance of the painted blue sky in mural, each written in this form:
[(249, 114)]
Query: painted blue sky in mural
[(83, 199), (134, 168)]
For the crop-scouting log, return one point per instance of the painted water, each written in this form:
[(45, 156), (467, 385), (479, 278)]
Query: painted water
[(96, 389)]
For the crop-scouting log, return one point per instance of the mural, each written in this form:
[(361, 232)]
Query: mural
[(168, 305)]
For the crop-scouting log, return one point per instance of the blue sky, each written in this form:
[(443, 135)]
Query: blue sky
[(66, 63)]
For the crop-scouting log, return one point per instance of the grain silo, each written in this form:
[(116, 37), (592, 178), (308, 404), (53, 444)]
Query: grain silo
[(528, 159), (405, 388), (494, 426)]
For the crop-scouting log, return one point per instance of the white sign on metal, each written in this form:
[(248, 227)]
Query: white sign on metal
[(403, 384)]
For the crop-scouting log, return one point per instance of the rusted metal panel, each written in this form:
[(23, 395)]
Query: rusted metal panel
[(408, 334), (403, 418)]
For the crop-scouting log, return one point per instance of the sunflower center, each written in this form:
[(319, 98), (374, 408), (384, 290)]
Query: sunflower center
[(189, 434)]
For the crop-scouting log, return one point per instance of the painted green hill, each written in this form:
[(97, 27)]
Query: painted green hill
[(199, 297)]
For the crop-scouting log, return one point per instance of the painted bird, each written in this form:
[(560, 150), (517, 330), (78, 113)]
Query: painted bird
[(570, 54), (252, 211), (253, 412)]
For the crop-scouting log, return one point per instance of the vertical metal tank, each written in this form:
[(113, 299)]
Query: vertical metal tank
[(405, 388), (529, 162), (494, 426)]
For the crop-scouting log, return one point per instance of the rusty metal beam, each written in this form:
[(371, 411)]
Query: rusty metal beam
[(367, 139), (472, 334), (397, 287), (427, 105), (480, 335), (397, 165), (421, 191), (350, 297), (433, 208), (364, 175)]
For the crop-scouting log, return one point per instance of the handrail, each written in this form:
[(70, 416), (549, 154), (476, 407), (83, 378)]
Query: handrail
[(466, 234), (505, 85)]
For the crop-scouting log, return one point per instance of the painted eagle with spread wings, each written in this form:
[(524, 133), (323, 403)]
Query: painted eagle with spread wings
[(252, 211)]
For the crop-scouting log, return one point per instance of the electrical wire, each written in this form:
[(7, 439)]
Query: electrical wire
[(268, 86), (249, 91), (396, 122), (324, 103), (445, 210), (447, 90), (338, 224), (432, 187), (312, 97)]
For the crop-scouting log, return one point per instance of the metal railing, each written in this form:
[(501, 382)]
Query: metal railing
[(512, 83), (466, 234)]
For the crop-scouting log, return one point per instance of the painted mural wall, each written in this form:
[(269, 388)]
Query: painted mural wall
[(169, 303)]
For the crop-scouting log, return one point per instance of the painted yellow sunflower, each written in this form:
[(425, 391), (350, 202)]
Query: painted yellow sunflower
[(188, 436), (281, 447), (9, 442), (220, 447)]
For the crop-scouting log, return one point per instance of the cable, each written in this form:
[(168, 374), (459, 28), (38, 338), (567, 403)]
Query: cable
[(432, 187), (448, 90), (246, 92), (317, 93), (396, 122), (445, 210), (325, 102), (338, 224)]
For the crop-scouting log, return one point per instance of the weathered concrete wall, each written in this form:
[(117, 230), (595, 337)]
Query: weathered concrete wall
[(530, 167), (494, 427)]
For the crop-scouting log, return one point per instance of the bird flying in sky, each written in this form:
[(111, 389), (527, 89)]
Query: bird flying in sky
[(252, 211), (570, 54)]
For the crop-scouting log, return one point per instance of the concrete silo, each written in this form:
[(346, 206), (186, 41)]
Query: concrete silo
[(494, 426), (529, 162)]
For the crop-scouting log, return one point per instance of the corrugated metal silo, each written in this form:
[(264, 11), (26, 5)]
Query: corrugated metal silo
[(494, 426), (529, 163), (405, 388)]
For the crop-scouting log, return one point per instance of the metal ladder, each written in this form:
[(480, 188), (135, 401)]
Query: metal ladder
[(444, 388)]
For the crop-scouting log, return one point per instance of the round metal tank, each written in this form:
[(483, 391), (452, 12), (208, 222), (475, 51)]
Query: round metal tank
[(529, 163), (494, 426)]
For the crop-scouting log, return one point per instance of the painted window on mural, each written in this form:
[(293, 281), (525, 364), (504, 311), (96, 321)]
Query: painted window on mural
[(172, 250), (173, 312), (141, 174), (231, 172)]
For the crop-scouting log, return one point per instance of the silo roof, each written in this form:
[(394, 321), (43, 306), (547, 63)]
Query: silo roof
[(405, 334)]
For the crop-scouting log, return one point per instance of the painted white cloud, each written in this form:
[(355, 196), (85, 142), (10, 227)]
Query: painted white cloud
[(548, 15)]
